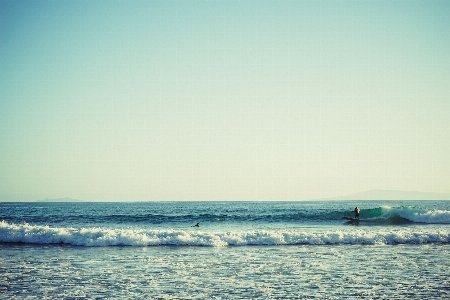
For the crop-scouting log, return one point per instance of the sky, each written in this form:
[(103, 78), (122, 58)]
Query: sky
[(223, 100)]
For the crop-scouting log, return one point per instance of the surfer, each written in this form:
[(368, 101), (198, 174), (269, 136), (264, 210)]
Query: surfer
[(356, 211), (196, 225)]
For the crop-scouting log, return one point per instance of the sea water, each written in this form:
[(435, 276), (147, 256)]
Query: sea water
[(241, 250)]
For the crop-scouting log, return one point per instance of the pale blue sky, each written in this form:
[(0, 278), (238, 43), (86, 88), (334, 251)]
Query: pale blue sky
[(223, 100)]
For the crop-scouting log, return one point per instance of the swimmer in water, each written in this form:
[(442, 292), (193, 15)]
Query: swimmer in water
[(196, 225)]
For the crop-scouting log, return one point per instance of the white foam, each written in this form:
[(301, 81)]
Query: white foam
[(25, 233), (419, 215)]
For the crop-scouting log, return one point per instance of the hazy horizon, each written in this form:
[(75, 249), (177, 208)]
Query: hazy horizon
[(223, 100), (380, 195)]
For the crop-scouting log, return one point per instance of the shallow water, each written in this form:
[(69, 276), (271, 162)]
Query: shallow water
[(263, 272)]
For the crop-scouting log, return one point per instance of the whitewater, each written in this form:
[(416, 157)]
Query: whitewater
[(241, 250), (25, 233)]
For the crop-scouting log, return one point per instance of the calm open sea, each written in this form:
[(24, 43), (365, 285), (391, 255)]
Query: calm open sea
[(241, 250)]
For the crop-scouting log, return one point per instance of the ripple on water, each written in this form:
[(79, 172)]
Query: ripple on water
[(333, 272)]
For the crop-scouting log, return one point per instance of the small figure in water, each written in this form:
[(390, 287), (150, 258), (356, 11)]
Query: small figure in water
[(196, 225), (356, 211)]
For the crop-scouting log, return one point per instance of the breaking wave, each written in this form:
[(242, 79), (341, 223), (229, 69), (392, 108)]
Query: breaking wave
[(102, 237), (405, 215)]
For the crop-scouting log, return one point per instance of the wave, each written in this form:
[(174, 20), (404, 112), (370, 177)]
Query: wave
[(102, 237), (405, 215), (387, 215), (171, 215)]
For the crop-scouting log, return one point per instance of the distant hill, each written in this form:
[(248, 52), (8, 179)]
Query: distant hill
[(393, 195), (66, 199)]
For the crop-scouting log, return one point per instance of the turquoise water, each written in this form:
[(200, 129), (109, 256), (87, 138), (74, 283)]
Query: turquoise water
[(250, 250)]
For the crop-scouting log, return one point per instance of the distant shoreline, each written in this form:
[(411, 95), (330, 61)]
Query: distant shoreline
[(60, 200), (375, 195), (393, 195)]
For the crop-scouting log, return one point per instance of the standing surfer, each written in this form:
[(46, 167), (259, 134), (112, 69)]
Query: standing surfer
[(356, 211)]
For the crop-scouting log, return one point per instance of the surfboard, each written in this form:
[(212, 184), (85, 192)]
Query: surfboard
[(351, 219)]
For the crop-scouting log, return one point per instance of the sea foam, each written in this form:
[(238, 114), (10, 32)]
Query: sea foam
[(419, 215), (405, 215), (102, 237)]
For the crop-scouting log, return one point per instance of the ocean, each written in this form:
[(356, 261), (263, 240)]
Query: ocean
[(240, 250)]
